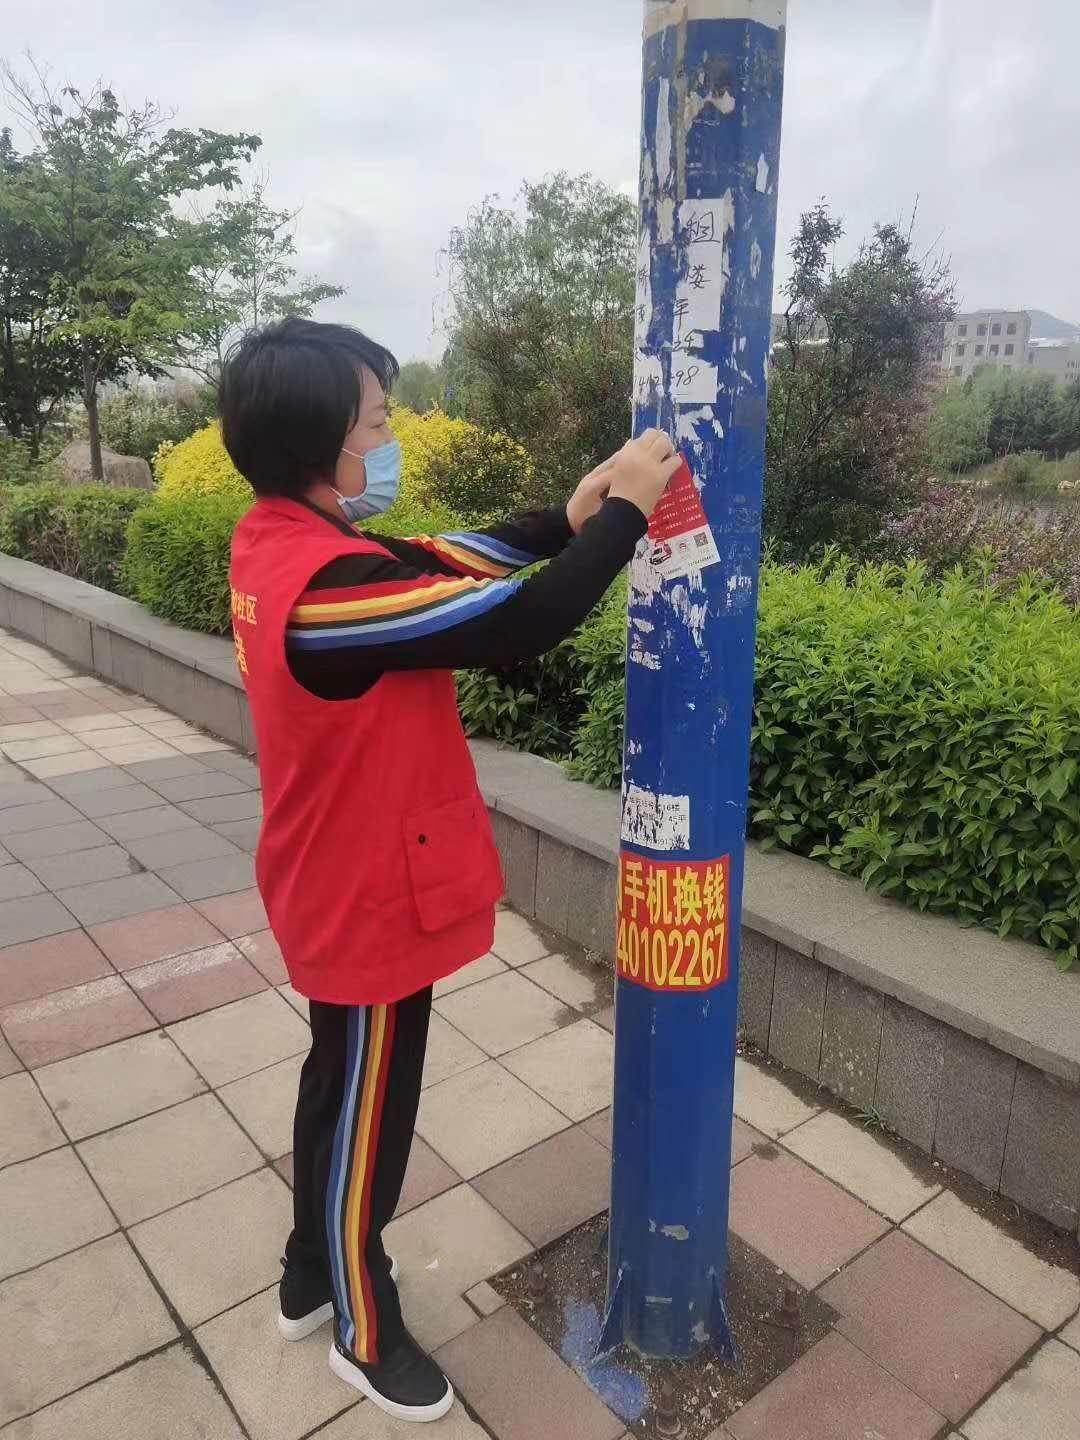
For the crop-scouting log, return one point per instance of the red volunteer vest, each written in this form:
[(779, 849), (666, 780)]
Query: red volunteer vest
[(376, 862)]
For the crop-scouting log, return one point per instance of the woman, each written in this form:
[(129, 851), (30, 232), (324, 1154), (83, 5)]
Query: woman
[(376, 861)]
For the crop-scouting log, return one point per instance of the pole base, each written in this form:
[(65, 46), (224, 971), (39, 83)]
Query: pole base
[(718, 1335)]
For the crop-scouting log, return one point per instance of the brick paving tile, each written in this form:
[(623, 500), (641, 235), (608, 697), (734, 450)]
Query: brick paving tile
[(108, 777), (1042, 1399), (265, 954), (572, 1068), (516, 941), (599, 1127), (108, 1087), (29, 1127), (369, 1423), (52, 767), (161, 1160), (57, 962), (243, 805), (68, 1022), (485, 1298), (520, 1388), (930, 1326), (281, 1391), (239, 914), (33, 918), (114, 899), (482, 969), (154, 935), (551, 1188), (154, 820), (854, 1158), (50, 1206), (1071, 1333), (36, 813), (479, 1118), (242, 1037), (427, 1176), (9, 1061), (17, 794), (834, 1392), (1044, 1293), (184, 985), (800, 1221), (119, 1316), (243, 833), (284, 1166), (60, 840), (443, 1249), (177, 766), (503, 1013), (201, 786), (129, 1405), (580, 983), (248, 1220), (205, 879), (764, 1101), (743, 1139), (178, 847), (16, 881), (84, 867), (116, 800), (264, 1103), (448, 1052)]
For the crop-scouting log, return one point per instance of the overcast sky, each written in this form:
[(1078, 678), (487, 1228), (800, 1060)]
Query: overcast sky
[(387, 121)]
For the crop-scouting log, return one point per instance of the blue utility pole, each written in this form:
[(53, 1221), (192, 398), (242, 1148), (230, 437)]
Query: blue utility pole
[(713, 85)]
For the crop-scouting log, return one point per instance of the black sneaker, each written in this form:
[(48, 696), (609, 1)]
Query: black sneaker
[(307, 1299), (407, 1384)]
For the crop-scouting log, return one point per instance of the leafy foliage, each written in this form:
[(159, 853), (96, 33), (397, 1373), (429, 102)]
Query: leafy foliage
[(177, 559), (999, 412), (136, 424), (79, 531), (420, 386), (846, 425), (199, 465), (476, 473), (540, 302), (98, 193), (243, 276)]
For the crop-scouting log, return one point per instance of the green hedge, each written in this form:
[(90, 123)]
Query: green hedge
[(77, 530), (924, 737), (177, 561)]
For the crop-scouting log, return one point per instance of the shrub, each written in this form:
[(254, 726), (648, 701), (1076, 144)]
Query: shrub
[(79, 531), (199, 465), (136, 424), (177, 561), (478, 474)]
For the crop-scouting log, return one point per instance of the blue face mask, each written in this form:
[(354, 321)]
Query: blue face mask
[(382, 467)]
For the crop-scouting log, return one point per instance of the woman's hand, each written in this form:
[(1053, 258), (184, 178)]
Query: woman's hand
[(589, 496)]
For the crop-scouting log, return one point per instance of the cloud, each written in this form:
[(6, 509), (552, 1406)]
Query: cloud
[(387, 121)]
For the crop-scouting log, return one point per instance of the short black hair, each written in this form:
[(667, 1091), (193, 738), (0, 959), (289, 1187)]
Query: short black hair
[(288, 396)]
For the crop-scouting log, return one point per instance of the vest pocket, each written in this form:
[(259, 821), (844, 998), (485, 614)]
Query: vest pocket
[(454, 867)]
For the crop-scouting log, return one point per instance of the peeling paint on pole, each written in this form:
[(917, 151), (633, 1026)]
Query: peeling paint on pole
[(712, 92)]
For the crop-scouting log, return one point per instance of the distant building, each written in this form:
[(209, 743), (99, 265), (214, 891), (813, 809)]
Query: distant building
[(1060, 358), (984, 337), (814, 332)]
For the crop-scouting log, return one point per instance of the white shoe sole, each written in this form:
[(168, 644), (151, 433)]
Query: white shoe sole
[(418, 1414), (308, 1324)]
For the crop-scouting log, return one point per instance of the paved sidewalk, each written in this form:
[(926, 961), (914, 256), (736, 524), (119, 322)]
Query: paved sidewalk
[(150, 1048)]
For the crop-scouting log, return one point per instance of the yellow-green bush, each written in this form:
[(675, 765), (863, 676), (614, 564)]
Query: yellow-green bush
[(451, 471), (479, 474), (199, 465)]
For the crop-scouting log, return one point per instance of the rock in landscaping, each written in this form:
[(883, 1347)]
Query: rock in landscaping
[(120, 471)]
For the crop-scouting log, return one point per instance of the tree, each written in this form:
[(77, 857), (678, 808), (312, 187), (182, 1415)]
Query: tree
[(846, 440), (540, 321), (100, 198), (244, 277), (35, 375), (420, 385)]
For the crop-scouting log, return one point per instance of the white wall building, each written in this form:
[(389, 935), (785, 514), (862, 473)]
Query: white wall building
[(985, 337), (1060, 358)]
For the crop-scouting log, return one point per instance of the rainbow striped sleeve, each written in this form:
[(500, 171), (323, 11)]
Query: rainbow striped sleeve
[(480, 556), (380, 614)]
